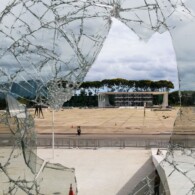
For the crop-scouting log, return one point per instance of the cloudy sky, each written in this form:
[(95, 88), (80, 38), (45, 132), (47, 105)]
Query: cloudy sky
[(125, 56)]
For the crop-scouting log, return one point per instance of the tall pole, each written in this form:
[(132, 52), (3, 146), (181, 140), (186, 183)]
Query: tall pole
[(53, 138), (144, 109)]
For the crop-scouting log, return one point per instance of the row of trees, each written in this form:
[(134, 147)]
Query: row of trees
[(123, 85), (88, 91), (86, 95), (187, 99)]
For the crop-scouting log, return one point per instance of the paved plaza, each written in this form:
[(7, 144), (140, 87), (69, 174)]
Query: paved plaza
[(104, 171)]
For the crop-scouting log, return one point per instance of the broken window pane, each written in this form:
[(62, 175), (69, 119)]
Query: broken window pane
[(21, 170), (46, 49)]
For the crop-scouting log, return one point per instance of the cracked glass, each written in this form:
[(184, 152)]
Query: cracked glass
[(47, 48)]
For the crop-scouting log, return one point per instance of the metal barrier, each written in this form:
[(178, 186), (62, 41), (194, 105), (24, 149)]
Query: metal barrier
[(102, 143), (81, 142)]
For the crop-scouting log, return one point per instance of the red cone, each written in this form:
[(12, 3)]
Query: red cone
[(70, 191)]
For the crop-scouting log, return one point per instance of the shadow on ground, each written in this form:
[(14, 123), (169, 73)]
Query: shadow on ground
[(147, 169)]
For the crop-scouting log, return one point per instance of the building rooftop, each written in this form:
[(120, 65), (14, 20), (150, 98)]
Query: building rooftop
[(136, 92)]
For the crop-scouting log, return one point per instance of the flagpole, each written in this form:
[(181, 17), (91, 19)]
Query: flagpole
[(53, 135)]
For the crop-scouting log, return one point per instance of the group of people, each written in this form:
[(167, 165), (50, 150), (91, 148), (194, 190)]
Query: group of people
[(38, 111)]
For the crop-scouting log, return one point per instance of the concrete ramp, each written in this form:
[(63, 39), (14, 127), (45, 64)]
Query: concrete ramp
[(104, 171), (135, 180)]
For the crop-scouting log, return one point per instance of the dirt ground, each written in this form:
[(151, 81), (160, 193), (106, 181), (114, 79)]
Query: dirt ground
[(104, 121), (107, 121)]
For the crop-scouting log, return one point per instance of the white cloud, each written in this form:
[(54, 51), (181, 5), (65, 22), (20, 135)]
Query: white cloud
[(124, 55)]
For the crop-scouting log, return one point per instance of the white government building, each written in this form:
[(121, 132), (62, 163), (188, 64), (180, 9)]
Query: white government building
[(130, 99)]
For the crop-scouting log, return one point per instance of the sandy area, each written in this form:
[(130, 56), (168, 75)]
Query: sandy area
[(105, 121), (113, 120)]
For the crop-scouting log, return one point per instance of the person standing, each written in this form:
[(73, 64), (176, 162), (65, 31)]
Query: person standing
[(40, 111), (79, 130), (36, 110)]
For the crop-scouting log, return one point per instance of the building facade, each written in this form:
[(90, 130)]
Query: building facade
[(122, 99)]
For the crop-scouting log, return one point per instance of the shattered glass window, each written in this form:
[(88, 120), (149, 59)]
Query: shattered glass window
[(47, 48)]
